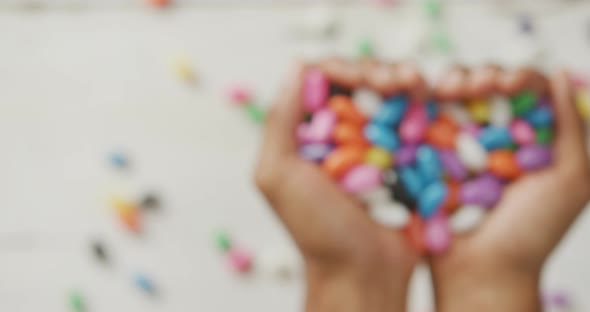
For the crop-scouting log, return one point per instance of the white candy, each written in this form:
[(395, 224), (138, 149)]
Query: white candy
[(457, 112), (500, 112), (467, 218), (471, 152), (367, 101), (279, 263), (375, 197), (391, 215)]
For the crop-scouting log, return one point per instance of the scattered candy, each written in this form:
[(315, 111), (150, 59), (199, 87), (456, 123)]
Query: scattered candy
[(128, 214), (436, 160), (183, 68), (278, 263), (144, 283), (366, 48), (100, 252), (150, 201), (119, 160), (223, 241), (159, 3), (239, 260), (77, 302)]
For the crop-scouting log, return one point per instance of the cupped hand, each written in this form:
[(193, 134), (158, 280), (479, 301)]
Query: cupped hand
[(497, 266), (352, 263)]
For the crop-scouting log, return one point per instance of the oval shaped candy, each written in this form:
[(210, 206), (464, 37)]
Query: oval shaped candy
[(479, 110), (406, 155), (360, 179), (413, 126), (502, 163), (533, 157), (428, 164), (367, 101), (342, 159), (467, 218), (540, 116), (500, 112), (441, 134), (391, 112), (485, 191), (493, 138), (522, 132), (452, 165), (315, 151), (315, 90), (437, 234), (379, 158), (431, 199), (346, 110), (412, 181), (453, 200), (457, 112), (348, 133), (523, 102), (471, 153), (319, 130), (381, 136)]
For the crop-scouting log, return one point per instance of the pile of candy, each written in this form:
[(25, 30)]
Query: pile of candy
[(434, 159)]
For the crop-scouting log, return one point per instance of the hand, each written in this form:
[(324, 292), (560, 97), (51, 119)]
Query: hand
[(497, 267), (352, 263)]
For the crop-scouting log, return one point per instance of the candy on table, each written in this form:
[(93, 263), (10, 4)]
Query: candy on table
[(144, 283), (361, 178), (390, 215), (119, 160), (77, 302), (150, 201), (557, 299), (255, 113), (128, 214), (278, 263), (99, 251), (159, 3), (239, 260), (432, 8), (466, 218), (441, 41), (437, 236), (183, 68), (240, 94), (222, 240), (366, 47)]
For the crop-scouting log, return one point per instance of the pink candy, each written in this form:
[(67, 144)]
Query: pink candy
[(239, 95), (316, 90), (413, 127), (362, 178), (522, 132), (239, 260), (319, 130), (437, 234)]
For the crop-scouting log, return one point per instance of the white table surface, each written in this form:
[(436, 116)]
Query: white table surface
[(75, 85)]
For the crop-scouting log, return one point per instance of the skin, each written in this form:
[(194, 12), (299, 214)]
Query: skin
[(355, 264)]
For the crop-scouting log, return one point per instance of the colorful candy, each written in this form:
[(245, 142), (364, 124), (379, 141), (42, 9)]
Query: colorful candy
[(239, 260), (445, 163)]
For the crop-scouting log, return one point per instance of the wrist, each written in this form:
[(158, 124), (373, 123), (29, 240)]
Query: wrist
[(488, 290), (351, 290)]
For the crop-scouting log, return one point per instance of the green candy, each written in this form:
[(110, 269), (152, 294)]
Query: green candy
[(511, 146), (255, 113), (77, 302), (432, 8), (523, 102), (223, 241), (441, 41), (366, 48), (544, 135)]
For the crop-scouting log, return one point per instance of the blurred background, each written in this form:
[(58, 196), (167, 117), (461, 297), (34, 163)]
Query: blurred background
[(125, 170)]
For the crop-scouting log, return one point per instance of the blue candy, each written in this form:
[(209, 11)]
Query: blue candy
[(412, 181), (391, 112), (432, 110), (144, 283), (382, 136), (495, 137), (431, 199), (428, 164), (540, 117)]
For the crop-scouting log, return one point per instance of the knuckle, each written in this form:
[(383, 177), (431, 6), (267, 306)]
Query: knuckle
[(265, 180)]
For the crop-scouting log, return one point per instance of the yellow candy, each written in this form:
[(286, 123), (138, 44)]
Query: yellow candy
[(182, 67), (379, 157), (479, 110), (128, 213), (583, 102)]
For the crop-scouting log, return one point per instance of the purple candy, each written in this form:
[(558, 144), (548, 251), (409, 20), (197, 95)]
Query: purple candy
[(453, 165), (314, 151), (485, 191), (533, 157), (406, 155)]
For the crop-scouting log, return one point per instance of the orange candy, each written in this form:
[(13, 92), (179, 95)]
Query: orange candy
[(502, 163), (442, 133), (342, 159), (415, 233), (128, 214), (348, 133), (453, 201), (159, 3), (346, 110)]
